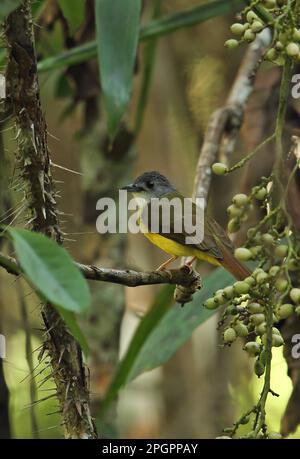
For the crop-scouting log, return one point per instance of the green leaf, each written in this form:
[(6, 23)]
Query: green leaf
[(7, 7), (70, 320), (187, 18), (162, 331), (177, 325), (117, 25), (152, 29), (50, 270), (162, 303), (74, 13)]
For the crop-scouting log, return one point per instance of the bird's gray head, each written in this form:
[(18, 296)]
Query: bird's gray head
[(150, 185)]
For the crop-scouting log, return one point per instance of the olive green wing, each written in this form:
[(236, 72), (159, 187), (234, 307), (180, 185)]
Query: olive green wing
[(214, 234)]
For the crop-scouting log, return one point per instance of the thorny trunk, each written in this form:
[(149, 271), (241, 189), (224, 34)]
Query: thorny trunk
[(34, 165)]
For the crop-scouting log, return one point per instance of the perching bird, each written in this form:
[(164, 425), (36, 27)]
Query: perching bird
[(215, 247)]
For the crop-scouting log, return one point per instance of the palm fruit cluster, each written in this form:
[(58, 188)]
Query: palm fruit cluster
[(281, 17), (275, 254)]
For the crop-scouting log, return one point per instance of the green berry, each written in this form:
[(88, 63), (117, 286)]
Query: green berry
[(274, 270), (261, 193), (257, 319), (292, 49), (241, 287), (232, 310), (249, 36), (261, 277), (284, 311), (220, 298), (270, 55), (281, 251), (237, 28), (219, 168), (228, 292), (259, 368), (267, 239), (297, 310), (281, 285), (296, 35), (245, 420), (240, 200), (229, 335), (275, 331), (257, 26), (231, 43), (255, 308), (295, 295), (251, 16), (234, 211), (279, 46), (252, 348), (233, 225), (250, 280), (277, 340), (261, 329), (210, 303), (242, 254), (255, 250), (241, 329)]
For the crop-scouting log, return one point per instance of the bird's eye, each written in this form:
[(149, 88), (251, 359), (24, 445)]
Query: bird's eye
[(150, 184)]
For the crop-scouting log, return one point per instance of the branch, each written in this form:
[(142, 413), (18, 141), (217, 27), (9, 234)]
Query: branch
[(183, 276), (224, 125)]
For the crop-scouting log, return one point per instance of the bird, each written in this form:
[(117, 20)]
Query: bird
[(215, 247)]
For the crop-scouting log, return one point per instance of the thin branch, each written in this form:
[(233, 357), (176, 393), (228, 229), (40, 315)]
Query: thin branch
[(128, 277), (225, 123)]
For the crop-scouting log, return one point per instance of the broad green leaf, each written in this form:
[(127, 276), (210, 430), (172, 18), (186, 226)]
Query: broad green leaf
[(162, 303), (74, 13), (177, 325), (117, 25), (162, 331), (7, 7), (70, 320), (50, 270), (152, 29)]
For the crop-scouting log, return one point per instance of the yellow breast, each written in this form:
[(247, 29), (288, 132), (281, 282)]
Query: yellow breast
[(179, 250)]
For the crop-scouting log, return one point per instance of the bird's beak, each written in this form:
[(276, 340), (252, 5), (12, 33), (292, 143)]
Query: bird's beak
[(132, 188)]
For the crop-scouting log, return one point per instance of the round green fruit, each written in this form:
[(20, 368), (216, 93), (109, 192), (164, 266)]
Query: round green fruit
[(229, 335), (241, 287), (242, 254), (220, 168)]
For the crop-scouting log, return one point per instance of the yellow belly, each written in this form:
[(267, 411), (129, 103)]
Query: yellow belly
[(179, 250)]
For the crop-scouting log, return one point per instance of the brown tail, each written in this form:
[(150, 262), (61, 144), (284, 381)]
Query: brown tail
[(231, 264)]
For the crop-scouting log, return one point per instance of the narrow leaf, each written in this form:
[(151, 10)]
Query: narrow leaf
[(117, 25), (73, 12), (50, 270), (162, 331), (152, 29)]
